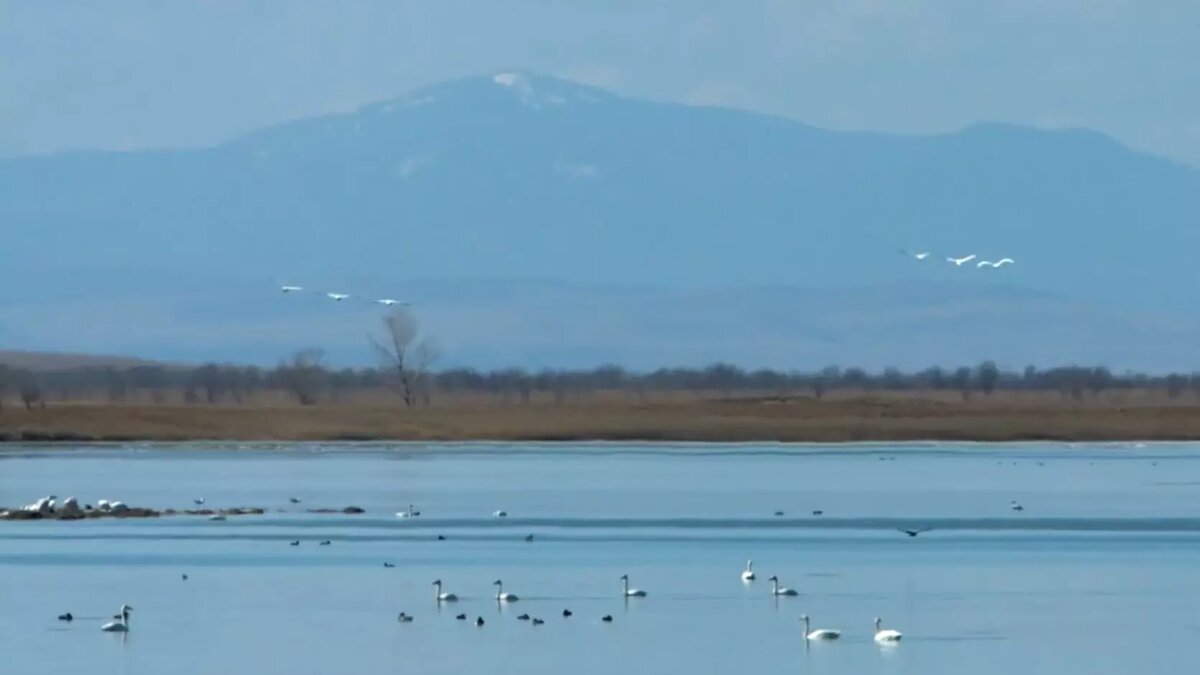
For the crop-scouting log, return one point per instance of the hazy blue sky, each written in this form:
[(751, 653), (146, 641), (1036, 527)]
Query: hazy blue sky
[(153, 73)]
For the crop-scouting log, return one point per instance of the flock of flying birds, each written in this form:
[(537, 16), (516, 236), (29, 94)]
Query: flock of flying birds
[(341, 297), (963, 260)]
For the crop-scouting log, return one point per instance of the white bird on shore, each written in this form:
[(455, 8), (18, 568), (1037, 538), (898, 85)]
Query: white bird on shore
[(820, 633), (121, 624), (963, 260), (885, 635), (994, 264), (337, 297)]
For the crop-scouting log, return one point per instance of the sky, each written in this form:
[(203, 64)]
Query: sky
[(145, 73)]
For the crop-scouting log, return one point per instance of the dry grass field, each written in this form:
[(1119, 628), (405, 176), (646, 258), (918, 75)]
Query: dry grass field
[(845, 417)]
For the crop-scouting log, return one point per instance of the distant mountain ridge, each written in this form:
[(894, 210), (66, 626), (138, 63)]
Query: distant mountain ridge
[(515, 176)]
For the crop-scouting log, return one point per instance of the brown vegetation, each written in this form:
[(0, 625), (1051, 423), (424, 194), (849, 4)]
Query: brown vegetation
[(841, 417)]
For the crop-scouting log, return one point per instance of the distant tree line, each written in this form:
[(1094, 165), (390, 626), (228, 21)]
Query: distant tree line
[(305, 379)]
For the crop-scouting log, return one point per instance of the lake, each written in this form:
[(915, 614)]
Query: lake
[(1098, 573)]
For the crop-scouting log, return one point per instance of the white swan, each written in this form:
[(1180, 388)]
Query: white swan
[(121, 624), (410, 513), (748, 574), (820, 633), (443, 597), (631, 592), (961, 261), (501, 596), (885, 635), (776, 589)]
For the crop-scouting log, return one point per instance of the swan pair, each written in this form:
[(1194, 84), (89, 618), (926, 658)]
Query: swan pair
[(882, 635), (121, 622), (501, 596), (748, 575)]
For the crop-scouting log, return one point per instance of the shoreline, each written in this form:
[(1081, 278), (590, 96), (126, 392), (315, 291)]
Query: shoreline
[(760, 420)]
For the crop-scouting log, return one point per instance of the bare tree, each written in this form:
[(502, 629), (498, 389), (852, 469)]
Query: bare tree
[(400, 352), (304, 376)]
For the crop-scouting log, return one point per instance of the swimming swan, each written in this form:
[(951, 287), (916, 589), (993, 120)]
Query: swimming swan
[(443, 597), (820, 633), (501, 596), (121, 625), (631, 592), (885, 635), (776, 589), (748, 575)]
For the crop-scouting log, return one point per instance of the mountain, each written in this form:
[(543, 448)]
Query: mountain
[(549, 223), (516, 175)]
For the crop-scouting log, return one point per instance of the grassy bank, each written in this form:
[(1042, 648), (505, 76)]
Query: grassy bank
[(879, 417)]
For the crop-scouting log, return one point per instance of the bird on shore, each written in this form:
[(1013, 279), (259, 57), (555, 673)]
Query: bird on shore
[(913, 533), (959, 262)]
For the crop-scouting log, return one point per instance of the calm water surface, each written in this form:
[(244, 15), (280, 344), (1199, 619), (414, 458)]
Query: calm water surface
[(1100, 573)]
